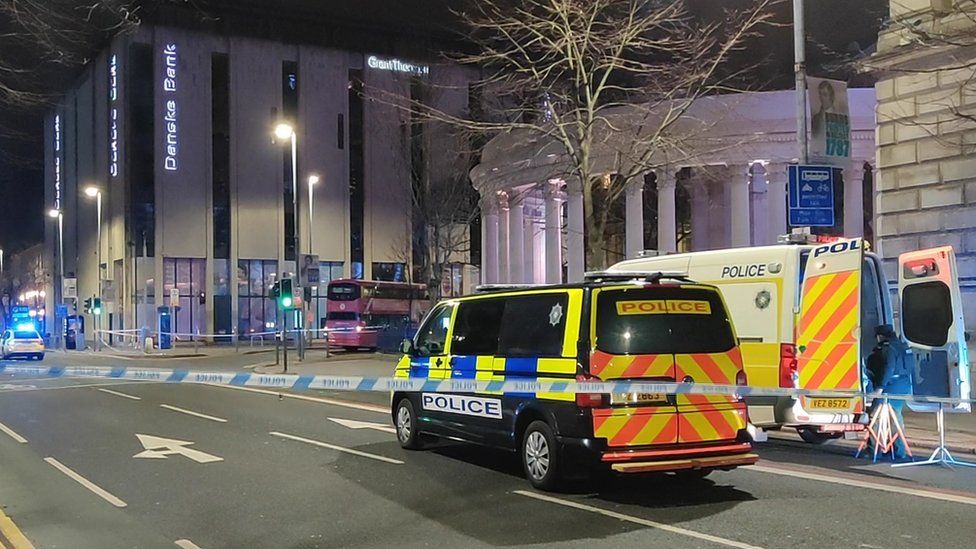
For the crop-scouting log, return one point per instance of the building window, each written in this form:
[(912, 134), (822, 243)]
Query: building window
[(452, 280), (188, 277), (289, 111), (390, 272), (256, 310), (141, 150), (220, 123), (357, 194)]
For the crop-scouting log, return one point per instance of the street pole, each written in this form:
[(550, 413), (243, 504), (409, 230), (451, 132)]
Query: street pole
[(800, 71), (60, 289), (298, 248), (98, 268)]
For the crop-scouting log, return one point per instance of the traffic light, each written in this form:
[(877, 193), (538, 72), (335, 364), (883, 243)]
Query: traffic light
[(96, 306), (88, 305), (286, 297)]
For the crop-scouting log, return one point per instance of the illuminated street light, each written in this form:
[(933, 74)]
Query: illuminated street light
[(53, 213), (284, 131), (92, 191)]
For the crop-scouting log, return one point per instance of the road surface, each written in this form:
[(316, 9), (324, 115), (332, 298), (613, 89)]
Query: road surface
[(99, 463)]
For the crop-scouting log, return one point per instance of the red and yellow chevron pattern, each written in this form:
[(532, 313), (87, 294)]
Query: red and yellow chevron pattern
[(606, 366), (826, 336), (636, 426), (710, 426)]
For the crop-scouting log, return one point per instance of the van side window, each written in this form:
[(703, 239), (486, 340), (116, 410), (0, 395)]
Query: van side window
[(533, 325), (476, 327), (432, 336)]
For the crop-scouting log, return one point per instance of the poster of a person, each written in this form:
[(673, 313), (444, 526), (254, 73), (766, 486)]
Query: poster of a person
[(830, 127)]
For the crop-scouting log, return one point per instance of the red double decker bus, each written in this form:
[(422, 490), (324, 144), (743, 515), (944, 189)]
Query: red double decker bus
[(360, 314)]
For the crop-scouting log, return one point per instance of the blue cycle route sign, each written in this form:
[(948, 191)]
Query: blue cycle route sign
[(811, 196)]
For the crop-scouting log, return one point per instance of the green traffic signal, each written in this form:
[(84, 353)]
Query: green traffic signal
[(285, 293), (286, 302), (97, 306)]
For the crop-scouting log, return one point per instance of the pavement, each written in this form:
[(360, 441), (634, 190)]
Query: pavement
[(108, 463)]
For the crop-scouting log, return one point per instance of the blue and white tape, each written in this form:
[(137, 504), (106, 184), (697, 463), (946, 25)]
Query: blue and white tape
[(388, 384)]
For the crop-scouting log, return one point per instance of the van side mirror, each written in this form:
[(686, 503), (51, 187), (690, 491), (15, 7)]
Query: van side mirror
[(406, 346)]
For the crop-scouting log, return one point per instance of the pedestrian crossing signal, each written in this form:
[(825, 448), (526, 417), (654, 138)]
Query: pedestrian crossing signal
[(96, 306)]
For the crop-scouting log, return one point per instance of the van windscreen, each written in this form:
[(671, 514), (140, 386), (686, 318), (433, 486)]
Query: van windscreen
[(662, 320)]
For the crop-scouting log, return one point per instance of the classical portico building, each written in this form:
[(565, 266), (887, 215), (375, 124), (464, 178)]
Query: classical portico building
[(727, 189)]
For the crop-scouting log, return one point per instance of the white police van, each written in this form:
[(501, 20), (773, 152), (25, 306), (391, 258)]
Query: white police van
[(806, 312)]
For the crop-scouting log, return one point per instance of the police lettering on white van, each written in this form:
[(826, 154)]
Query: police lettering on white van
[(838, 247), (744, 271), (457, 404)]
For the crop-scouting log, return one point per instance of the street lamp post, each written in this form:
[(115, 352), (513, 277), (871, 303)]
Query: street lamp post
[(312, 181), (56, 213), (96, 193), (284, 131)]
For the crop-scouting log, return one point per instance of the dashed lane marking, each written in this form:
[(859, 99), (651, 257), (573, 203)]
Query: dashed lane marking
[(320, 400), (637, 520), (86, 483), (118, 394), (12, 434), (186, 544), (192, 413), (336, 448), (855, 483)]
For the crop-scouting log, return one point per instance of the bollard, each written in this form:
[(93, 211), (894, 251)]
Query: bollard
[(237, 340)]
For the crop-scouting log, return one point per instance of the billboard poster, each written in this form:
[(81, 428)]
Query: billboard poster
[(830, 121)]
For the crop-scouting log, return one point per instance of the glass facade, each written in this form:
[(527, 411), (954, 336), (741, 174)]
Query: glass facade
[(141, 150), (289, 110), (256, 311), (390, 272), (188, 276), (357, 193)]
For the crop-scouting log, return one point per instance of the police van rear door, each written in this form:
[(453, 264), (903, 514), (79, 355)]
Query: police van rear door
[(828, 327), (932, 322)]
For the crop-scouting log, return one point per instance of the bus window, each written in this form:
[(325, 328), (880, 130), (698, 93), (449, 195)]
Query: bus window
[(342, 315), (344, 292)]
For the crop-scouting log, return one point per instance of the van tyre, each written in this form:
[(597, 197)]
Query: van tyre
[(405, 422), (540, 456), (811, 436)]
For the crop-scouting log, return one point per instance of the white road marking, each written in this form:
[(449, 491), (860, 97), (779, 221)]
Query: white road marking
[(160, 448), (192, 413), (85, 482), (12, 434), (353, 424), (336, 448), (186, 544), (844, 481), (320, 400), (26, 388), (123, 395), (637, 520)]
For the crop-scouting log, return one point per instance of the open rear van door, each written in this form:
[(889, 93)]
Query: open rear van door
[(932, 324)]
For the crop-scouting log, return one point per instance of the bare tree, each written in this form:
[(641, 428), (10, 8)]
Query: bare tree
[(607, 82)]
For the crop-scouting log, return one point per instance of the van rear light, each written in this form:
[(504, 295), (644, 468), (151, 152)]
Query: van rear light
[(740, 378), (787, 365), (591, 400)]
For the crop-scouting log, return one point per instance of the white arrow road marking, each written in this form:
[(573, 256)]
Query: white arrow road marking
[(336, 448), (192, 413), (12, 434), (637, 520), (160, 448), (186, 544), (85, 482), (353, 424)]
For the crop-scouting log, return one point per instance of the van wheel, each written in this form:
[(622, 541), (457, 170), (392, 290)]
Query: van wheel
[(406, 425), (810, 436), (540, 456)]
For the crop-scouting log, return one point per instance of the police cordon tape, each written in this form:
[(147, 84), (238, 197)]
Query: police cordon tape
[(417, 384)]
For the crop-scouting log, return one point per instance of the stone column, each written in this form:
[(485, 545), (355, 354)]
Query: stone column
[(739, 205), (503, 238), (489, 240), (854, 199), (528, 247), (667, 235), (777, 179), (700, 204), (634, 216), (516, 238), (554, 246), (575, 243)]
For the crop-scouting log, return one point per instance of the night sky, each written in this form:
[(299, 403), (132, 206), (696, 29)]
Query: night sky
[(836, 29)]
